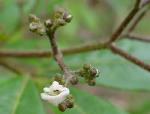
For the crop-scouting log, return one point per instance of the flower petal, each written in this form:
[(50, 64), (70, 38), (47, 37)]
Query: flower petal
[(46, 89), (55, 99)]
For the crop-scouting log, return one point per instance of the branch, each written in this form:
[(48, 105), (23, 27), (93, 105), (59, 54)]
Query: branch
[(137, 37), (129, 57), (80, 49), (58, 56), (144, 2), (46, 54), (137, 19), (125, 23)]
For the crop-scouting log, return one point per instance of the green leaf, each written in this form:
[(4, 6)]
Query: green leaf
[(89, 104), (19, 96), (140, 107)]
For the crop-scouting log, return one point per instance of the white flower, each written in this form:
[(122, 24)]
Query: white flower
[(55, 94)]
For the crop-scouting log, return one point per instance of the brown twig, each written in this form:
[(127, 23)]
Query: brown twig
[(58, 56), (125, 23), (56, 52), (80, 49), (76, 50), (144, 2), (129, 57), (137, 37), (138, 18), (44, 54)]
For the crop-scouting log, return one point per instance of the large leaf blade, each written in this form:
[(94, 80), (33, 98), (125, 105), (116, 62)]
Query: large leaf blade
[(19, 96)]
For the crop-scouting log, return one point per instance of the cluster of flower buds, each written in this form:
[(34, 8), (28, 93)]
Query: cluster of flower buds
[(58, 95), (89, 73), (59, 18), (36, 26)]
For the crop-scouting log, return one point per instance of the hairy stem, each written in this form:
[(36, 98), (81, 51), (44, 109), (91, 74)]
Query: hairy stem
[(58, 56)]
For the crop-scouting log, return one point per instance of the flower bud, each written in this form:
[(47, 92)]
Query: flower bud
[(48, 23), (86, 66), (33, 18), (81, 73), (36, 26), (41, 31), (69, 101), (58, 13), (59, 79), (67, 17), (33, 27), (91, 82), (69, 104), (61, 22), (94, 72), (62, 106), (74, 80)]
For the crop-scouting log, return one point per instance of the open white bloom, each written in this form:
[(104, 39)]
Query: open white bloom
[(55, 93)]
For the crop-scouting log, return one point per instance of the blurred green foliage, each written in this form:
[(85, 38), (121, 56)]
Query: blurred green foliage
[(93, 20)]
